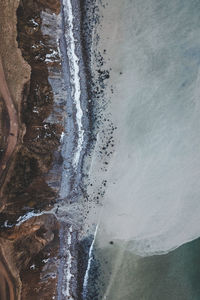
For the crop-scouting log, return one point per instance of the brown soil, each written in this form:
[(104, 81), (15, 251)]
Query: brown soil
[(12, 137), (20, 246), (15, 73), (27, 145)]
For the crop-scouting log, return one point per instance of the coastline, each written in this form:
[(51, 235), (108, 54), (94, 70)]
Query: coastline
[(73, 191), (46, 195)]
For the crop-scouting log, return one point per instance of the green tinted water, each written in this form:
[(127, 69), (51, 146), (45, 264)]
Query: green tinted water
[(175, 276)]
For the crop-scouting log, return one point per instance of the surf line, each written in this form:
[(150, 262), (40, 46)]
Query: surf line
[(74, 76), (73, 145), (86, 277), (67, 269)]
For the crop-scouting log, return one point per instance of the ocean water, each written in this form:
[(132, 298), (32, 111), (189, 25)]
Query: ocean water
[(161, 277), (151, 206), (153, 48)]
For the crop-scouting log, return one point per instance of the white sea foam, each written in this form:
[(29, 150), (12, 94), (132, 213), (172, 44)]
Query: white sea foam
[(74, 75), (85, 282), (62, 137), (67, 269)]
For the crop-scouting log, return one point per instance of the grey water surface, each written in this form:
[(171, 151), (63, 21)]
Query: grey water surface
[(151, 205)]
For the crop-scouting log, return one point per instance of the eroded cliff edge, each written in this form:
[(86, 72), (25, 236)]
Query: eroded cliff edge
[(28, 143)]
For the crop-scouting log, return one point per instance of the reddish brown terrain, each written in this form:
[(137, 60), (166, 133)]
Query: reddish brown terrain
[(28, 250), (12, 137)]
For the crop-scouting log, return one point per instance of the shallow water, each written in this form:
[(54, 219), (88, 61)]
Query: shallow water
[(153, 49), (171, 276), (151, 203)]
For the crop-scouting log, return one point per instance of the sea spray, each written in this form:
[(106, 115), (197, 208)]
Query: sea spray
[(74, 76), (67, 269), (90, 258), (75, 145)]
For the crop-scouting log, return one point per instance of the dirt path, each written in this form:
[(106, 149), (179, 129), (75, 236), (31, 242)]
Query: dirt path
[(6, 285), (13, 120)]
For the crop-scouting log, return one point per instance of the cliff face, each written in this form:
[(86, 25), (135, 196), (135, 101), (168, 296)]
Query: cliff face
[(16, 69), (28, 248), (16, 75)]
